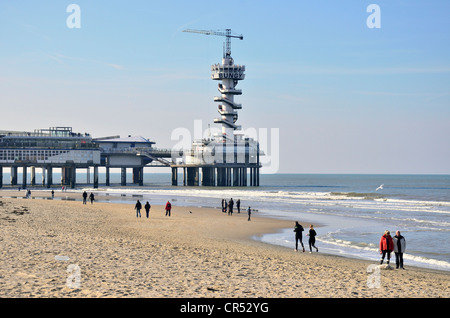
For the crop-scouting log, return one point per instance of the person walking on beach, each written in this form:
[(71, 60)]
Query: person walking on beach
[(386, 246), (53, 194), (168, 208), (138, 208), (147, 209), (399, 248), (84, 197), (91, 197), (249, 212), (225, 206), (298, 229), (312, 238), (230, 207), (238, 205)]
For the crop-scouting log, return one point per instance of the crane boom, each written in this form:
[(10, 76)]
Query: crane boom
[(226, 33)]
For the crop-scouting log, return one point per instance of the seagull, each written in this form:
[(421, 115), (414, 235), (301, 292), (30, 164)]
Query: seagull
[(380, 187)]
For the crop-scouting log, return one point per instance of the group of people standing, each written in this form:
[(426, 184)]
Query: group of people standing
[(389, 244), (298, 229), (147, 206), (91, 197), (229, 205)]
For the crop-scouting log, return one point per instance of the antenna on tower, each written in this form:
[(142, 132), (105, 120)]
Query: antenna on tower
[(226, 33)]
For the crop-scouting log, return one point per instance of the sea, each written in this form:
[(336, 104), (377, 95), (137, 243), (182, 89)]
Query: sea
[(350, 212)]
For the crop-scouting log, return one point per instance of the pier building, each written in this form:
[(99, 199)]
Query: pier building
[(56, 147), (60, 147)]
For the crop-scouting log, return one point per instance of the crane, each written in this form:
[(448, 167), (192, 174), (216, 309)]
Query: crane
[(226, 33)]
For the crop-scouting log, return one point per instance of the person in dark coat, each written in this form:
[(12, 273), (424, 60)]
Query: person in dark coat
[(298, 229), (230, 207), (147, 209), (84, 197), (399, 248), (312, 238), (138, 208), (386, 246), (91, 197)]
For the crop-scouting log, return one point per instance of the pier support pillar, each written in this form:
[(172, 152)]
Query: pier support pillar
[(138, 175), (49, 176), (107, 176), (192, 176), (1, 177), (220, 177), (236, 177), (135, 175), (123, 176), (174, 176), (65, 176), (257, 177), (13, 175), (95, 177), (43, 176), (208, 176), (196, 176), (73, 177), (33, 176), (184, 176), (24, 177)]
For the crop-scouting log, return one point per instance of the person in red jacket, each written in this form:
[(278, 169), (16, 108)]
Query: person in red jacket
[(386, 246), (168, 208)]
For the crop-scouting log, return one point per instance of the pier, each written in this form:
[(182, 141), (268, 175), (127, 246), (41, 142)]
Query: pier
[(227, 159)]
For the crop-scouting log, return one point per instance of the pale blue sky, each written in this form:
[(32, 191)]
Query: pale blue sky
[(346, 98)]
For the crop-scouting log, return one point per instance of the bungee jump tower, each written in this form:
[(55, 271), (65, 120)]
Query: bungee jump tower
[(228, 158)]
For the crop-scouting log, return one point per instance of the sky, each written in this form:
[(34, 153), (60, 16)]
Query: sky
[(343, 97)]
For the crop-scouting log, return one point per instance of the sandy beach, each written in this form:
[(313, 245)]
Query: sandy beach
[(63, 248)]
